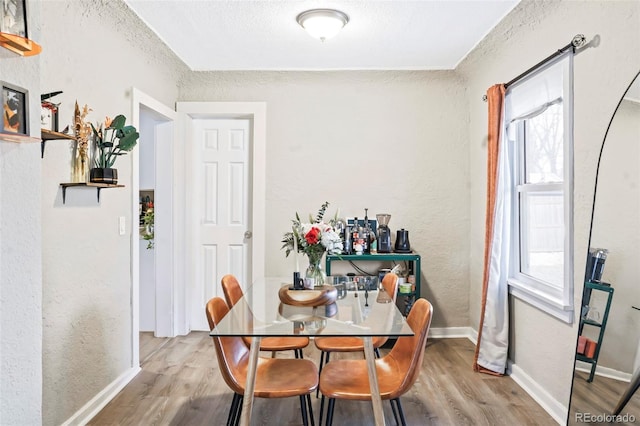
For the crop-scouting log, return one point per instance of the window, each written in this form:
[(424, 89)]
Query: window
[(539, 134)]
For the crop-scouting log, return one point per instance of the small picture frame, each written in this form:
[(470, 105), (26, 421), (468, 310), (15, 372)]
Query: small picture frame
[(14, 17), (15, 110)]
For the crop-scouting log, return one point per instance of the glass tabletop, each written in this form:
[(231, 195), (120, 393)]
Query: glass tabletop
[(354, 313)]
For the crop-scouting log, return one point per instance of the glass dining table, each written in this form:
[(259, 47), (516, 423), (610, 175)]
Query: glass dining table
[(361, 313)]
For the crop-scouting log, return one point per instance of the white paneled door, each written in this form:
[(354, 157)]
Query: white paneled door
[(220, 208)]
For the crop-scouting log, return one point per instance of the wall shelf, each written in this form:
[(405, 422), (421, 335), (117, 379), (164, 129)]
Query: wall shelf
[(49, 135), (17, 138), (20, 45), (98, 186)]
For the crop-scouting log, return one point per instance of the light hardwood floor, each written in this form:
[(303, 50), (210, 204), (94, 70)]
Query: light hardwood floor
[(180, 384), (600, 398)]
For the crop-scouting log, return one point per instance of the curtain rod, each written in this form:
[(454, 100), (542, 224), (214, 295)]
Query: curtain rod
[(577, 41)]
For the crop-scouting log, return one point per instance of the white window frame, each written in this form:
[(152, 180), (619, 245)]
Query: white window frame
[(544, 296)]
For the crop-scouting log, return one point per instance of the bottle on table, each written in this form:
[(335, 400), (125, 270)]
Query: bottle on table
[(369, 235), (356, 238)]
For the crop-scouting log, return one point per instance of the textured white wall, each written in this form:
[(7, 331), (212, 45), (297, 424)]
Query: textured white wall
[(20, 257), (542, 346), (394, 142), (94, 51), (20, 271)]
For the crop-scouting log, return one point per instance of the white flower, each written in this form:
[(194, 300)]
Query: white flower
[(331, 241)]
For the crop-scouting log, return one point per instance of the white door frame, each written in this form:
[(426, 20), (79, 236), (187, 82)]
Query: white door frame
[(167, 292), (256, 112)]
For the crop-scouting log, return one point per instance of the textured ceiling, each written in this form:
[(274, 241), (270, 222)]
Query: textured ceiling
[(264, 34)]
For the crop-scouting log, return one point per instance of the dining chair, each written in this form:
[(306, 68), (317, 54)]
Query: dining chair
[(356, 344), (232, 293), (397, 371), (275, 377)]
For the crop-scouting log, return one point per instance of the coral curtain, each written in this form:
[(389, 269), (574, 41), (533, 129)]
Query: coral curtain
[(493, 330)]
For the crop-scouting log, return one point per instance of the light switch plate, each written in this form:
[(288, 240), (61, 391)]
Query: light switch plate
[(121, 225)]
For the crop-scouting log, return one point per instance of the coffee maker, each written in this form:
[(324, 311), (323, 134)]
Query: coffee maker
[(384, 233)]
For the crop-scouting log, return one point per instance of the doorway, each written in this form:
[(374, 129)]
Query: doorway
[(155, 299), (173, 243)]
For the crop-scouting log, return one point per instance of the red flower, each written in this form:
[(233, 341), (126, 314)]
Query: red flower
[(312, 236)]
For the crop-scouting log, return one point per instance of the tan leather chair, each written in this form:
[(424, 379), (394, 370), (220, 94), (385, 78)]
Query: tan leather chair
[(355, 344), (275, 377), (232, 293), (397, 371)]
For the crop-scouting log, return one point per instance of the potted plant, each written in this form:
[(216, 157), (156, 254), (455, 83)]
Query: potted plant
[(122, 139), (148, 231)]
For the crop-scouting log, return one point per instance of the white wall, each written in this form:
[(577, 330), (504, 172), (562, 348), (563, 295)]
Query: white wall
[(20, 258), (542, 346), (94, 51), (394, 142)]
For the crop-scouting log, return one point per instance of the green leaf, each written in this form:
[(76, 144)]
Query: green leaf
[(118, 122), (128, 129), (129, 141), (95, 132)]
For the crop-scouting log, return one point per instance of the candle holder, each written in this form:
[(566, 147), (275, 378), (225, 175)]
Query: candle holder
[(298, 282)]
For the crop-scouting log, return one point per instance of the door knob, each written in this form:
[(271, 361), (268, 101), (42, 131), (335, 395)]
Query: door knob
[(248, 235)]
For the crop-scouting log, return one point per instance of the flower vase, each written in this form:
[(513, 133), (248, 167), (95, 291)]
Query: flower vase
[(315, 272), (80, 166)]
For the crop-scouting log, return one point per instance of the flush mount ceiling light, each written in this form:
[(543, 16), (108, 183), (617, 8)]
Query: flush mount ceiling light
[(322, 23)]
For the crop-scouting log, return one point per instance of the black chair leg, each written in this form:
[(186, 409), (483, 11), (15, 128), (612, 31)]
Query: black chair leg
[(323, 355), (377, 352), (308, 398), (303, 410), (395, 412), (402, 420), (330, 407), (236, 421), (321, 410), (233, 409)]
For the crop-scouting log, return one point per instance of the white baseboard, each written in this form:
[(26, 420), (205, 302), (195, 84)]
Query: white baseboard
[(604, 371), (453, 333), (538, 393), (97, 403)]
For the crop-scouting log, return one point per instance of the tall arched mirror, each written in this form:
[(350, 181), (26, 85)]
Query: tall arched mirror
[(608, 349)]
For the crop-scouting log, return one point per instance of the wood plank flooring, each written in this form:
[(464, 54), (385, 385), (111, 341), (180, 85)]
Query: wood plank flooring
[(180, 384), (600, 397), (150, 344)]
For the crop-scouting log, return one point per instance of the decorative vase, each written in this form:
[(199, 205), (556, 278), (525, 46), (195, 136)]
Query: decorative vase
[(80, 166), (108, 175), (315, 272)]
